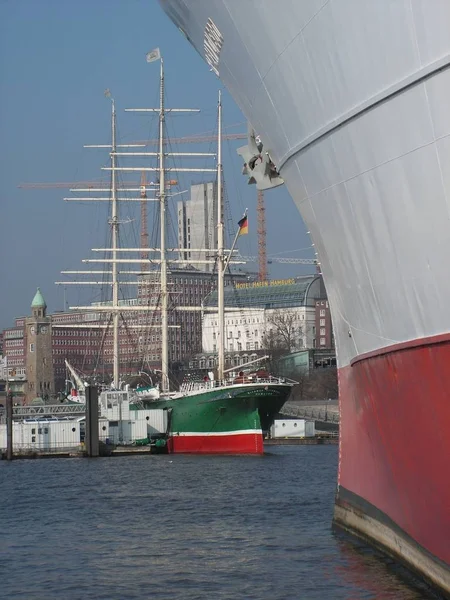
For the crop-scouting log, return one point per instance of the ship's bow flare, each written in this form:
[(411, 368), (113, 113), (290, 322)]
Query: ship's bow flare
[(352, 100)]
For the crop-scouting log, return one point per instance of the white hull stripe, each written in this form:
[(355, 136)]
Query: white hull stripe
[(216, 433)]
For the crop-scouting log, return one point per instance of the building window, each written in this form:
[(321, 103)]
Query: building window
[(322, 322), (322, 341), (322, 312), (31, 347), (322, 332)]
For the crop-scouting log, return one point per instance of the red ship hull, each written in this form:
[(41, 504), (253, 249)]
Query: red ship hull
[(245, 443), (393, 482)]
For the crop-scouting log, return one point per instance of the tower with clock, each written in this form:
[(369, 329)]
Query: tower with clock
[(39, 363)]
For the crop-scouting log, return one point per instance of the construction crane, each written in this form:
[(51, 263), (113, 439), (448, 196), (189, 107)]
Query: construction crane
[(262, 251), (143, 186), (193, 139), (97, 184)]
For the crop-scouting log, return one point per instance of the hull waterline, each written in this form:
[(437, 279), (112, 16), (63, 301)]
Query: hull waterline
[(351, 101)]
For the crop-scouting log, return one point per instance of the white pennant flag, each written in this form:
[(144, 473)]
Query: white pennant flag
[(153, 55)]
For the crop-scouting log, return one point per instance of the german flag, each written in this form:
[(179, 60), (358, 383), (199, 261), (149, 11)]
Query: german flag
[(243, 225)]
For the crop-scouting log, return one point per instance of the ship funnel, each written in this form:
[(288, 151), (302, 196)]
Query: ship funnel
[(258, 165)]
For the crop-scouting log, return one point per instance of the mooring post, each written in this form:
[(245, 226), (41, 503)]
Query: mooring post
[(9, 425), (91, 439)]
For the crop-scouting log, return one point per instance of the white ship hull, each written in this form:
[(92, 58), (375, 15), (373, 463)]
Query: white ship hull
[(352, 99)]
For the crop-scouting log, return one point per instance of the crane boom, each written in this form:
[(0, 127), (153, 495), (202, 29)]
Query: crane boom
[(80, 385), (194, 139)]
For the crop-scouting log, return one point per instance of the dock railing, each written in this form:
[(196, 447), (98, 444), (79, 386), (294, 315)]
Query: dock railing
[(316, 413)]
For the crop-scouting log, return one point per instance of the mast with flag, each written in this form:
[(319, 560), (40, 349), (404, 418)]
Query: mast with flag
[(242, 230), (161, 197), (243, 225), (223, 256)]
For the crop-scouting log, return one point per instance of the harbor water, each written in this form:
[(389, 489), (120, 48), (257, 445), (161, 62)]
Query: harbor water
[(185, 527)]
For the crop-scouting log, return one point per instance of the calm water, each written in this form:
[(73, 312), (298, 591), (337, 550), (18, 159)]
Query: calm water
[(183, 527)]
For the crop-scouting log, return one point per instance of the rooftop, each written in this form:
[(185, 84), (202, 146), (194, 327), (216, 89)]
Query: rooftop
[(38, 300), (286, 293)]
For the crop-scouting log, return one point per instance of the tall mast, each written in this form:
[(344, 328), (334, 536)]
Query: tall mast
[(144, 252), (220, 247), (144, 223), (115, 239), (162, 201)]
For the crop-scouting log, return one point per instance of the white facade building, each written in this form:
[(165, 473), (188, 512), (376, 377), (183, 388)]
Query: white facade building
[(246, 328)]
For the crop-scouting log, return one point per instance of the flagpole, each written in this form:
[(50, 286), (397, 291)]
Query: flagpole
[(234, 243)]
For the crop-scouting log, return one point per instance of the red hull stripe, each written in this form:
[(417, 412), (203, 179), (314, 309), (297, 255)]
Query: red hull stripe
[(246, 443), (394, 442), (443, 338)]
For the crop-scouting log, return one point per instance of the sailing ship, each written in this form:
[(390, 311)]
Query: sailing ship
[(350, 100), (222, 413)]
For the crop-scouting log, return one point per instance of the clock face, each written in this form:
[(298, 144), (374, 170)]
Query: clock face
[(43, 330)]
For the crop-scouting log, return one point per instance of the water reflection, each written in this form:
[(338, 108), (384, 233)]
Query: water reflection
[(378, 575), (184, 527)]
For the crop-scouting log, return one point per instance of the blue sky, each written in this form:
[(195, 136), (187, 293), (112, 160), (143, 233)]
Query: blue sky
[(56, 59)]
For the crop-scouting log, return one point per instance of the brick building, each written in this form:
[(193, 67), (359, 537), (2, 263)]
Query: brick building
[(187, 287), (85, 338)]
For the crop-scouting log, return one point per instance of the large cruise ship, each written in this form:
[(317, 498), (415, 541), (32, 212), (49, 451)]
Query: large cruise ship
[(351, 99)]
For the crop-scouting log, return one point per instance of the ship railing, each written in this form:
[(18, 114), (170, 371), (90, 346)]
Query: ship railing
[(197, 386)]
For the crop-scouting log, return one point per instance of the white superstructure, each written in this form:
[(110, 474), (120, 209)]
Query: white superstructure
[(323, 79)]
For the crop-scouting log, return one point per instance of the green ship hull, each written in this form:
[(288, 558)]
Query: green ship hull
[(229, 419)]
